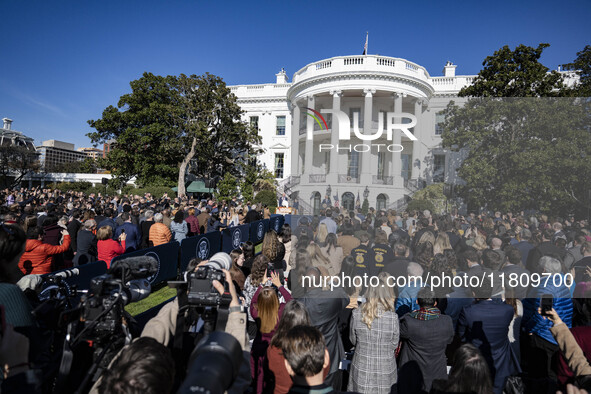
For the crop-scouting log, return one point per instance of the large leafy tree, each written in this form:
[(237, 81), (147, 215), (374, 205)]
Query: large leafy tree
[(526, 148), (169, 124), (515, 73), (15, 163), (582, 67)]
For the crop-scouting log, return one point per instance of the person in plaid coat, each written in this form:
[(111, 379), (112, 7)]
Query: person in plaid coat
[(375, 333)]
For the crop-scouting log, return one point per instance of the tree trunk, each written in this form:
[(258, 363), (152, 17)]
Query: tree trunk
[(183, 169)]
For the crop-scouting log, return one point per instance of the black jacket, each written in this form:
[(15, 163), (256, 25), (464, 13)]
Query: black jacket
[(324, 308)]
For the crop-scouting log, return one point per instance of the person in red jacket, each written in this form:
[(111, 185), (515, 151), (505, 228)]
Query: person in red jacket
[(107, 247), (37, 256)]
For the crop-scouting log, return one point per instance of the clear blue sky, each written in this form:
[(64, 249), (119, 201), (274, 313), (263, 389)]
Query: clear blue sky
[(63, 62)]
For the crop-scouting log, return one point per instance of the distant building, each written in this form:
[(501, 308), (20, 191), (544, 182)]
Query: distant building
[(9, 137), (54, 154), (107, 147), (93, 153)]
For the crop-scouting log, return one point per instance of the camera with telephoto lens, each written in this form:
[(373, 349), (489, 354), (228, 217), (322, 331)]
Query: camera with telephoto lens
[(200, 289), (103, 311), (98, 326)]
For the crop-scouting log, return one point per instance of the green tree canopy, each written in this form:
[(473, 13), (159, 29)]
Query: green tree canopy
[(514, 73), (582, 66), (523, 153), (227, 187), (167, 124), (15, 163), (525, 147)]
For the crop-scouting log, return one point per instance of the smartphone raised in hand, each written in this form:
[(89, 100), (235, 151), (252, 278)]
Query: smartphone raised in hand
[(546, 304)]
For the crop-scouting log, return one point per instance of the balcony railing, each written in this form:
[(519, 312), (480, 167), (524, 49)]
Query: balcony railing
[(348, 179), (317, 178), (414, 185), (383, 180)]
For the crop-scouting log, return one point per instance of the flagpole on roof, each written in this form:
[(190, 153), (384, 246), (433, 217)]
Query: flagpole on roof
[(366, 42)]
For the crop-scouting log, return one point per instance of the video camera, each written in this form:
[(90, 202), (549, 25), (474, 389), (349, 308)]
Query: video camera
[(95, 326)]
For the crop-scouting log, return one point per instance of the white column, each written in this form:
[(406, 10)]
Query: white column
[(309, 143), (397, 139), (415, 171), (295, 140), (333, 172), (366, 170)]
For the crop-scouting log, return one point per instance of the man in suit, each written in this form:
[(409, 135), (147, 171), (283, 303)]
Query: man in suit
[(133, 238), (472, 262), (580, 266), (485, 324), (546, 248), (324, 308), (425, 335), (86, 249), (514, 270), (398, 266), (573, 254), (524, 246)]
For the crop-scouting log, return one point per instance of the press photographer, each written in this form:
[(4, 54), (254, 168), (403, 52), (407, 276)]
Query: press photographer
[(207, 304)]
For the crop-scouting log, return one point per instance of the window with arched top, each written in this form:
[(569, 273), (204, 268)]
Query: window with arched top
[(381, 202), (316, 204), (348, 201)]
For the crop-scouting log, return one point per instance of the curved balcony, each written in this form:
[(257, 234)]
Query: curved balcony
[(381, 66)]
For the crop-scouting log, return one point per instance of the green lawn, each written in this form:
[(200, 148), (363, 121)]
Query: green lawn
[(157, 297)]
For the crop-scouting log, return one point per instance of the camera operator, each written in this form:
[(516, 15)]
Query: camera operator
[(163, 327)]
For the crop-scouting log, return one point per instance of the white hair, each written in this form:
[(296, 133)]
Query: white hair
[(148, 214), (89, 224), (550, 265), (158, 218), (414, 269)]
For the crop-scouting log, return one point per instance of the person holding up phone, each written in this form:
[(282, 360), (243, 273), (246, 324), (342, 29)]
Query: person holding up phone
[(574, 355), (550, 292)]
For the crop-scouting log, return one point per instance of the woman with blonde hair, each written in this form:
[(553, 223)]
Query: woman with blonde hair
[(441, 243), (320, 261), (267, 310), (321, 235), (479, 243), (233, 219), (427, 236), (375, 333)]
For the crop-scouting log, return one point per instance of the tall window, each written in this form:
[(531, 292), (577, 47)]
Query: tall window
[(406, 165), (381, 164), (316, 203), (353, 164), (439, 119), (438, 168), (254, 122), (348, 201), (381, 202), (280, 125), (279, 157)]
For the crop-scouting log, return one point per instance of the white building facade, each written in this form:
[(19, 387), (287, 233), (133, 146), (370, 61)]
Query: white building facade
[(302, 142)]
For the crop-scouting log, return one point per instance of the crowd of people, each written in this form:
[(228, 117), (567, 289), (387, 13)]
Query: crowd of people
[(514, 315)]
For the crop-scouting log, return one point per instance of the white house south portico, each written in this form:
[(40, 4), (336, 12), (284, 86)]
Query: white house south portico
[(391, 110)]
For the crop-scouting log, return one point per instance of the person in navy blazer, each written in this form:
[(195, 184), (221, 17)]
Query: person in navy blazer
[(485, 324)]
